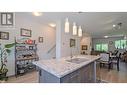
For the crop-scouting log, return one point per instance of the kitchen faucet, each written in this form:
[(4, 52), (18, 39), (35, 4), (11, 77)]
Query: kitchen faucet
[(71, 55)]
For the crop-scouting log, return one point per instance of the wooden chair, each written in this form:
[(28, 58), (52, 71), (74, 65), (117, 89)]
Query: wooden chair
[(105, 60), (116, 60), (115, 52), (124, 56)]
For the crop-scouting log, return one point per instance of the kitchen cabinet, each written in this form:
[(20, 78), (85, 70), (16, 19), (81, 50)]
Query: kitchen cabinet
[(82, 75), (81, 69)]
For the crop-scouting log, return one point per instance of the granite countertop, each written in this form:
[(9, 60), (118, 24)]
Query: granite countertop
[(61, 67)]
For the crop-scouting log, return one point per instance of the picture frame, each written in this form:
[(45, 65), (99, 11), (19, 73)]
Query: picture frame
[(84, 47), (25, 32), (72, 42), (4, 35), (40, 39)]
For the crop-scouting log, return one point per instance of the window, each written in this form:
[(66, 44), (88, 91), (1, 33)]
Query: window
[(102, 47), (98, 47), (120, 44)]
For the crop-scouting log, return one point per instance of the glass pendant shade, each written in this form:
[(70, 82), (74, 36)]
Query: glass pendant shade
[(79, 31), (74, 29), (66, 26), (37, 13)]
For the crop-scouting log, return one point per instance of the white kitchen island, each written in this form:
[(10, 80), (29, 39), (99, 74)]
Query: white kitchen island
[(79, 69)]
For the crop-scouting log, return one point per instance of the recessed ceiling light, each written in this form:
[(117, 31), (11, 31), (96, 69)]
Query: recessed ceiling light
[(37, 13), (52, 25), (114, 25), (105, 36)]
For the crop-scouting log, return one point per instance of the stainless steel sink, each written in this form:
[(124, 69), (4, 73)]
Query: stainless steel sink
[(77, 60)]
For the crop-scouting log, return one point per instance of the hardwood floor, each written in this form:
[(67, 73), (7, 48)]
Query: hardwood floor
[(112, 76), (31, 77)]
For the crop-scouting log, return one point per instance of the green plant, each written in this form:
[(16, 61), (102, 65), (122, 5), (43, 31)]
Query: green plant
[(3, 59)]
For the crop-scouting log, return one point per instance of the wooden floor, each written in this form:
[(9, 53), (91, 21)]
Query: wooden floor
[(31, 77), (112, 76)]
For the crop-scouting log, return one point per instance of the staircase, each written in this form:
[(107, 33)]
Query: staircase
[(52, 52)]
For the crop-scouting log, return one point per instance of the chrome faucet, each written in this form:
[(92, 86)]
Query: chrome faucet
[(71, 55)]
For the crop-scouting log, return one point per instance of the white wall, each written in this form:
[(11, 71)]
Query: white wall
[(66, 50), (111, 47), (64, 41), (37, 30)]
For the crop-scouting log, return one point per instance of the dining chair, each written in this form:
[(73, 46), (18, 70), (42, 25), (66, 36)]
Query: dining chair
[(105, 60), (116, 60), (115, 52)]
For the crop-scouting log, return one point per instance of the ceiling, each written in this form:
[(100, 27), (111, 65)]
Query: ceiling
[(97, 24)]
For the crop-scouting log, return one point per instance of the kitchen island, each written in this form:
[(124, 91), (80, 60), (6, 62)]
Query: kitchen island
[(79, 69)]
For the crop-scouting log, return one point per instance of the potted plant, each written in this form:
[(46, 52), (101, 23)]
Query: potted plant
[(4, 52)]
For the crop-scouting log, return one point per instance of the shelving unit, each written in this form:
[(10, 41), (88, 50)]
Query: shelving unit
[(25, 54)]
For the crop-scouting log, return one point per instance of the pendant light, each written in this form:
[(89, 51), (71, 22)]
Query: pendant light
[(37, 13), (66, 26), (79, 31), (74, 29)]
